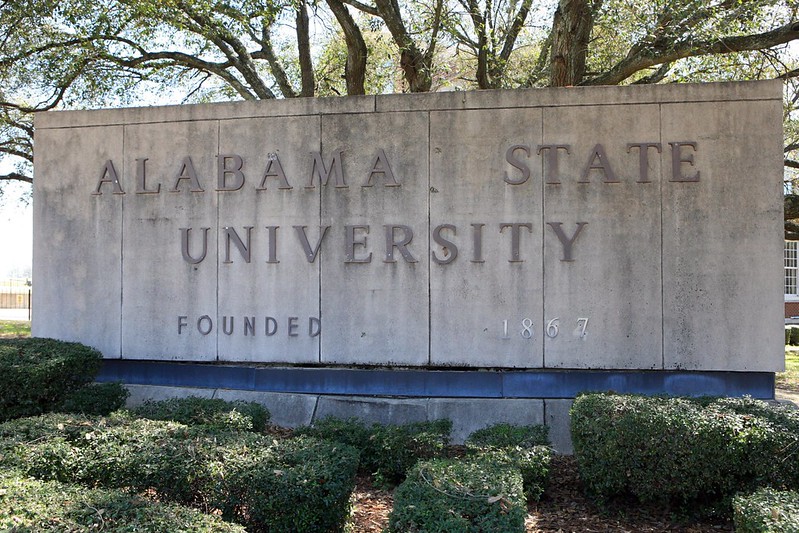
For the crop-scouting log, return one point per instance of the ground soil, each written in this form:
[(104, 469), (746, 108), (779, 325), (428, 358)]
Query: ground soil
[(562, 509)]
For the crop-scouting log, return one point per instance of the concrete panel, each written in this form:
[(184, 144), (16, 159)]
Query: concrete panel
[(280, 294), (78, 238), (722, 238), (485, 303), (287, 410), (469, 415), (376, 311), (612, 277), (557, 418), (143, 393), (201, 112), (372, 410), (159, 285), (581, 96)]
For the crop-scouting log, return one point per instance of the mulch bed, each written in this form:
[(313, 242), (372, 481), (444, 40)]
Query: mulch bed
[(562, 509)]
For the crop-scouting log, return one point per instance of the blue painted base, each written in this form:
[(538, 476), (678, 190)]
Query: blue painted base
[(548, 384)]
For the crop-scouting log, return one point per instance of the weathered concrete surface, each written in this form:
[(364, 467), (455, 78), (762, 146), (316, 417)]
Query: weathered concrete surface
[(557, 419), (375, 308), (287, 285), (77, 248), (480, 297), (605, 300), (721, 238), (158, 285), (665, 274)]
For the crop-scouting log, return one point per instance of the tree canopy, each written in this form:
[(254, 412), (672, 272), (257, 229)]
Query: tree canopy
[(69, 54)]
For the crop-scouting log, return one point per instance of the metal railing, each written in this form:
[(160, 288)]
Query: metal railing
[(15, 298)]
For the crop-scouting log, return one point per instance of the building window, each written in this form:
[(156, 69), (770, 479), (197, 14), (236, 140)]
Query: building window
[(791, 268)]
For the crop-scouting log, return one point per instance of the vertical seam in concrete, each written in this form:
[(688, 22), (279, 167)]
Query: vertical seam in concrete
[(321, 258), (544, 402), (543, 250), (218, 147), (662, 273), (121, 252), (429, 268), (315, 407)]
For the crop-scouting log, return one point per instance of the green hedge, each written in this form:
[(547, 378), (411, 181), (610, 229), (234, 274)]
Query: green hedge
[(95, 399), (238, 415), (387, 451), (290, 485), (508, 435), (690, 454), (523, 447), (36, 375), (28, 505), (478, 494), (766, 511)]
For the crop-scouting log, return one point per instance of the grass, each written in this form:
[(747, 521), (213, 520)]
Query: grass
[(789, 380), (15, 328)]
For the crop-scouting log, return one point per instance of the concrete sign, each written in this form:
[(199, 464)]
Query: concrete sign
[(611, 228)]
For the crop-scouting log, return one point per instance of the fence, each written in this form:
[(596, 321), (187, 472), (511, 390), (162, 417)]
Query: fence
[(15, 299)]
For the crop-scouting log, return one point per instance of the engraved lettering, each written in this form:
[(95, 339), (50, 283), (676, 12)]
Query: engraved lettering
[(244, 249), (566, 242), (109, 175), (184, 245), (515, 238), (678, 158), (380, 166), (402, 245), (552, 176), (643, 158), (603, 165), (325, 172), (187, 173), (350, 243), (510, 157), (141, 178), (450, 249), (277, 172)]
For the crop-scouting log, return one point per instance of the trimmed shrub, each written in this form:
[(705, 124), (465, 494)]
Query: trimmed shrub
[(30, 505), (508, 435), (393, 450), (387, 451), (788, 332), (766, 511), (460, 496), (523, 447), (36, 374), (691, 454), (218, 413), (95, 399), (794, 336), (290, 485)]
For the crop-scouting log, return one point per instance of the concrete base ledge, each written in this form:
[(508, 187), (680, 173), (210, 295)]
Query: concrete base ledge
[(467, 414), (471, 399), (535, 384)]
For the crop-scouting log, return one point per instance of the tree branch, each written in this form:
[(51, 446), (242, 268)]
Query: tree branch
[(642, 57), (369, 10), (16, 176)]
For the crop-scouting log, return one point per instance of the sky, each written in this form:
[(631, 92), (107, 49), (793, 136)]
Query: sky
[(16, 232)]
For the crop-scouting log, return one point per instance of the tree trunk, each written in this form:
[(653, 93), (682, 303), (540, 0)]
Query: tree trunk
[(355, 69), (571, 31), (416, 65), (304, 48)]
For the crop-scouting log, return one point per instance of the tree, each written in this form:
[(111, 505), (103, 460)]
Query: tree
[(76, 54)]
